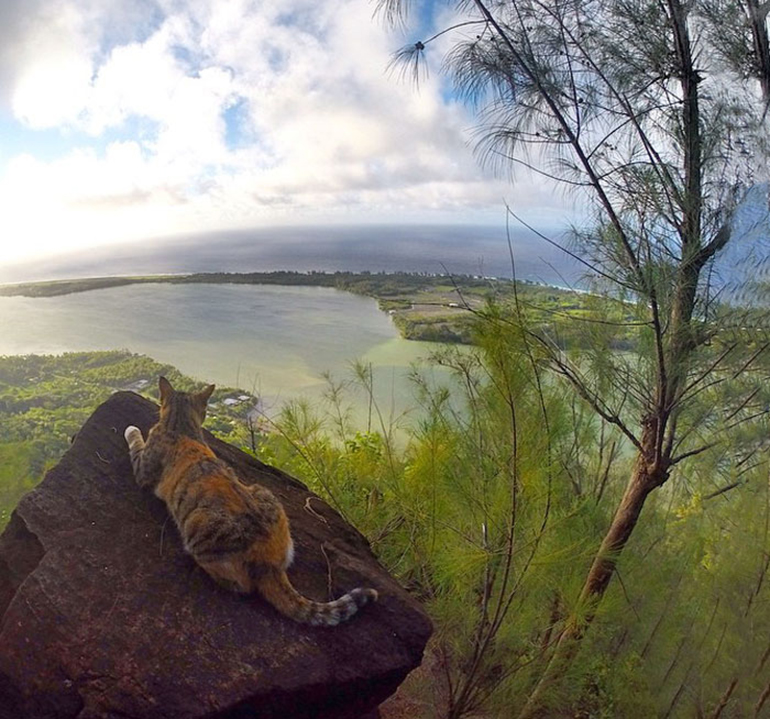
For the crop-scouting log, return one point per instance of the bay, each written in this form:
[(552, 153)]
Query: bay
[(274, 341)]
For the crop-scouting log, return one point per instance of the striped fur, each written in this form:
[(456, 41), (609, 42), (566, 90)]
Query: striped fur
[(239, 534)]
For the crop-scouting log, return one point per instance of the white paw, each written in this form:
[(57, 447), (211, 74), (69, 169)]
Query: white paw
[(131, 433)]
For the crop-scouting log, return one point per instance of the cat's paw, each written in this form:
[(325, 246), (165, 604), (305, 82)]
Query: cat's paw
[(131, 434)]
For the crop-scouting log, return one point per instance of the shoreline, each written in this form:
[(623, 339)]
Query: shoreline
[(423, 306)]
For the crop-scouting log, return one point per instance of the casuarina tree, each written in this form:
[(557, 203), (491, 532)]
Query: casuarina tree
[(655, 114)]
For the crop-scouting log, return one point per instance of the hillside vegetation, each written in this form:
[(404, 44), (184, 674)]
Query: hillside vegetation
[(492, 515)]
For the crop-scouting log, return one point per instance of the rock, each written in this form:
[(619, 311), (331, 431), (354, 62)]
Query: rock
[(104, 615)]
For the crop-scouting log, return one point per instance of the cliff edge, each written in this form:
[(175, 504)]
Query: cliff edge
[(104, 615)]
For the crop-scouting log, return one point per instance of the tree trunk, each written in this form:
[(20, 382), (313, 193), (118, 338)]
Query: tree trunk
[(758, 23), (640, 484)]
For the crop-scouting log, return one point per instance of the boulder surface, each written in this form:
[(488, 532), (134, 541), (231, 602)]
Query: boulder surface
[(104, 615)]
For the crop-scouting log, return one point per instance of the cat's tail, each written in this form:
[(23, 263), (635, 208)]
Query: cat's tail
[(275, 587)]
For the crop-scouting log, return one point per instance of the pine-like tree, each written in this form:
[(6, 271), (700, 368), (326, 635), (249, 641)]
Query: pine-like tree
[(655, 112)]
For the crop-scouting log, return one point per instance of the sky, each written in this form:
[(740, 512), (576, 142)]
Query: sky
[(123, 120)]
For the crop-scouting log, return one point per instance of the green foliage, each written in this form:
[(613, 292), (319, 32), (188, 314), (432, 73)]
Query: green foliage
[(491, 513), (476, 513), (21, 464)]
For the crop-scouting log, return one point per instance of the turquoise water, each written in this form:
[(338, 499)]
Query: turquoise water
[(274, 341)]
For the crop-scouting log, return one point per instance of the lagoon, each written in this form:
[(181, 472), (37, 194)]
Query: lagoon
[(274, 341)]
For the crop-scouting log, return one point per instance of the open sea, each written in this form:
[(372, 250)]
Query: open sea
[(469, 250)]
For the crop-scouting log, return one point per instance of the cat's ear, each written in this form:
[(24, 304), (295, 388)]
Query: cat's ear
[(205, 393), (166, 390)]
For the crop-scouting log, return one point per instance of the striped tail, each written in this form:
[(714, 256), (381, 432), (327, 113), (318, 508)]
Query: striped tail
[(276, 588)]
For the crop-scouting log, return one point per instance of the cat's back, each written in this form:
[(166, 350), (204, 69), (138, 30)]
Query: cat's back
[(187, 459), (213, 509)]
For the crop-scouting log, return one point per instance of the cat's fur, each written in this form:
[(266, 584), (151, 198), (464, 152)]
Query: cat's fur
[(238, 533)]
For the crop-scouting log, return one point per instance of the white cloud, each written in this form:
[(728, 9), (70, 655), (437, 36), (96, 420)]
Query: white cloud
[(324, 132)]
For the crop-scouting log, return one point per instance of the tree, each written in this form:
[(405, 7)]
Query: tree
[(656, 112)]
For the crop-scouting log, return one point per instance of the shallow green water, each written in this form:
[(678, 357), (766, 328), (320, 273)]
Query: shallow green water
[(274, 341)]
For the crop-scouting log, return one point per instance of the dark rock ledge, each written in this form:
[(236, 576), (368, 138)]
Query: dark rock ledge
[(103, 615)]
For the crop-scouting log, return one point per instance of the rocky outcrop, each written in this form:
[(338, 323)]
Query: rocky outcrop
[(104, 615)]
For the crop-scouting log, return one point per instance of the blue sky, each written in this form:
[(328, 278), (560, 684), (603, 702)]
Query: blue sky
[(132, 119)]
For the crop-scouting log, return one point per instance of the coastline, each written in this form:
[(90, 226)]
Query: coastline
[(422, 306)]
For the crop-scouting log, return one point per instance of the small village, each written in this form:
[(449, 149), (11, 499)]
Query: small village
[(231, 412)]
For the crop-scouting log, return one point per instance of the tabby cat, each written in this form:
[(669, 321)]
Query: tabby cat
[(238, 533)]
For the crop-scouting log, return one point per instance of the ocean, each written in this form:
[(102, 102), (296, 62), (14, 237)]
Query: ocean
[(466, 250)]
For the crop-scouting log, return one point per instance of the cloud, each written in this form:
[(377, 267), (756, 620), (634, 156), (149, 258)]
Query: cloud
[(225, 114)]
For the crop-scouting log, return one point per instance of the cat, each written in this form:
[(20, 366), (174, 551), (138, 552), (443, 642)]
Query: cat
[(238, 533)]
